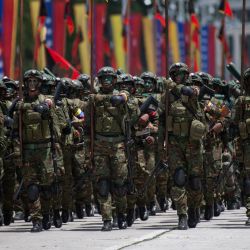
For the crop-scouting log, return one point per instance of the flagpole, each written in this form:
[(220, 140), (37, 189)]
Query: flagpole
[(21, 77), (92, 80), (167, 90), (223, 25), (243, 40), (128, 35), (167, 36)]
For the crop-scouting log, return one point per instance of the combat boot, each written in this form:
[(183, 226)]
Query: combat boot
[(115, 221), (46, 222), (1, 218), (173, 206), (130, 217), (37, 227), (209, 212), (122, 223), (57, 220), (192, 218), (198, 215), (163, 203), (89, 210), (231, 205), (182, 224), (65, 215), (79, 211), (7, 217), (107, 225), (143, 212), (152, 208), (71, 218), (248, 221), (27, 217), (217, 209)]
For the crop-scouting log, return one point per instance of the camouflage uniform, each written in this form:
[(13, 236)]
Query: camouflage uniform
[(242, 115), (185, 147), (37, 170), (109, 155)]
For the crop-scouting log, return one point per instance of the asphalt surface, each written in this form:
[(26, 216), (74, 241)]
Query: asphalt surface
[(227, 231)]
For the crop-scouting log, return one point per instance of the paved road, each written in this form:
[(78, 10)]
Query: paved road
[(159, 232)]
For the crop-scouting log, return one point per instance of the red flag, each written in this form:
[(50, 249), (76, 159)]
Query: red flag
[(59, 65), (195, 38), (77, 41), (68, 18), (225, 8), (42, 15), (161, 19), (222, 38), (193, 17), (195, 21)]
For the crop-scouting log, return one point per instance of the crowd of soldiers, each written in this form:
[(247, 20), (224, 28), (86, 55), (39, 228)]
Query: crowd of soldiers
[(124, 147)]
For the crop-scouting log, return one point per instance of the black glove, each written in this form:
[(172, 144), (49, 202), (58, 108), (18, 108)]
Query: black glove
[(42, 109), (187, 91), (8, 122), (67, 128), (117, 100)]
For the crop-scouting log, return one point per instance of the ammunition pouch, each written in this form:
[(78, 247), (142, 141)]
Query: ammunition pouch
[(197, 130), (181, 128), (243, 130)]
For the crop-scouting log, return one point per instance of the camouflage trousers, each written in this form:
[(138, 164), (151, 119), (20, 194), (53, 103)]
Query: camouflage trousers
[(76, 166), (162, 182), (9, 178), (144, 164), (187, 155), (38, 169), (245, 173), (111, 175)]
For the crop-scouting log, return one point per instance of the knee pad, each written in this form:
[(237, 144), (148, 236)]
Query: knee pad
[(33, 192), (180, 177), (103, 187), (119, 189), (247, 187), (195, 183)]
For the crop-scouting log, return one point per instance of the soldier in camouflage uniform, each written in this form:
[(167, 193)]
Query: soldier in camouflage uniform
[(147, 156), (10, 160), (3, 90), (47, 89), (126, 84), (185, 146), (87, 195), (242, 118), (71, 119), (37, 170), (109, 156)]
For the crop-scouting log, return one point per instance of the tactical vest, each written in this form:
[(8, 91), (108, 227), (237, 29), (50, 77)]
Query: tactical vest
[(35, 129), (179, 119), (244, 124), (108, 119)]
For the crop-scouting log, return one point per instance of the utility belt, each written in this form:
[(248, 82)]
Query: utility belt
[(32, 146), (78, 145), (114, 139)]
